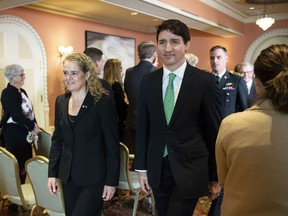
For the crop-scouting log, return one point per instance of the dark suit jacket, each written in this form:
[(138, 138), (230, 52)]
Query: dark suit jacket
[(121, 106), (132, 82), (252, 96), (234, 94), (11, 104), (87, 151), (190, 135)]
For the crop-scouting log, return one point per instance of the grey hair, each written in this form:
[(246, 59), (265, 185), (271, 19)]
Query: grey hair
[(13, 70), (243, 64)]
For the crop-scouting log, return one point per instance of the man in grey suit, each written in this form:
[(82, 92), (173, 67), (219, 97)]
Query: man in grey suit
[(147, 52), (175, 140), (234, 98), (246, 69)]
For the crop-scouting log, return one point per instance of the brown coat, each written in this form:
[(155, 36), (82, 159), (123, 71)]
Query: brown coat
[(252, 158)]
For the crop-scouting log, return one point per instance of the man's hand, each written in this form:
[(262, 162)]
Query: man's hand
[(52, 185), (108, 192), (214, 190), (143, 179)]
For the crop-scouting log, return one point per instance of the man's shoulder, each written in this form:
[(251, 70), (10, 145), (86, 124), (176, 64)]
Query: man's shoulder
[(234, 77)]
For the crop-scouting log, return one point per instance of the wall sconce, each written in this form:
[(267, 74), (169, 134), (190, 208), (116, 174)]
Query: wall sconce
[(63, 51)]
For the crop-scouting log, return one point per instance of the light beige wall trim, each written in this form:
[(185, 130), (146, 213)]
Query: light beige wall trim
[(267, 39)]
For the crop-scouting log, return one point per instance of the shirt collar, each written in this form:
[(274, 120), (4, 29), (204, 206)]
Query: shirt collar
[(220, 75), (179, 71)]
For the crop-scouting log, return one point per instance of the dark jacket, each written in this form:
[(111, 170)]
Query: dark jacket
[(190, 136), (132, 82), (88, 150), (234, 94)]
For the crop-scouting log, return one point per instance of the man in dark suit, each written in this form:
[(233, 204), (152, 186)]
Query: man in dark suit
[(97, 57), (246, 69), (175, 146), (234, 98), (147, 52)]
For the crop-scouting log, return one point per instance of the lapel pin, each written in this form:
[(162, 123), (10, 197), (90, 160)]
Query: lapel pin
[(84, 106)]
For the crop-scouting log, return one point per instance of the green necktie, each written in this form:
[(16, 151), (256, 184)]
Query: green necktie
[(169, 103)]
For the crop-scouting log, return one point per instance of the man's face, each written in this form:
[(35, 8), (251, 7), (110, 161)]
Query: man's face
[(99, 65), (247, 73), (218, 60), (171, 49)]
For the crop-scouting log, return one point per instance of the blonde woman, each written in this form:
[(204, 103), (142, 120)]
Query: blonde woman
[(85, 148), (113, 75)]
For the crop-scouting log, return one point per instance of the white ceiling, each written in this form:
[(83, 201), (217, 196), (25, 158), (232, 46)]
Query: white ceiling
[(152, 12)]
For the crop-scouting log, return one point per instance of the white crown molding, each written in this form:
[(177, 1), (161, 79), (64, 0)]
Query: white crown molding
[(264, 37), (226, 9), (6, 4), (165, 11)]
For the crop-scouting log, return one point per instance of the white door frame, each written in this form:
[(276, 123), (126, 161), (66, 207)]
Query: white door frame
[(39, 56), (267, 39)]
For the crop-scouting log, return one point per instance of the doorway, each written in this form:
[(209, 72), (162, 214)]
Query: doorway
[(20, 44)]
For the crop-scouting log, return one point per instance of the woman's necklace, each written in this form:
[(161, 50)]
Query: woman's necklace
[(72, 118)]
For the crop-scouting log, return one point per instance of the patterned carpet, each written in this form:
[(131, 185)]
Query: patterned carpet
[(125, 207)]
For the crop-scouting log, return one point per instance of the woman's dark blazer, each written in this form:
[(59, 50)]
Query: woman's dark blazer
[(88, 151), (11, 103)]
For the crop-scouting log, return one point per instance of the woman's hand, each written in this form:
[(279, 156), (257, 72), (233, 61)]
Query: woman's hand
[(36, 129), (108, 192), (52, 187)]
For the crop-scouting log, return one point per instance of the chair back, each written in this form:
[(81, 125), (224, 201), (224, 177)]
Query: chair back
[(44, 143), (124, 182), (9, 177), (37, 169)]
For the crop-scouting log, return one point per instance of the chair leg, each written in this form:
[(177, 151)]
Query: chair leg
[(153, 204), (19, 210), (136, 200)]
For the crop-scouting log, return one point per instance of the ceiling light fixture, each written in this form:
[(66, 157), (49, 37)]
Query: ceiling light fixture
[(265, 22)]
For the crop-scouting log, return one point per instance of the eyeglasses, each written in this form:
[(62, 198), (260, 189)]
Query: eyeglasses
[(245, 73), (21, 75)]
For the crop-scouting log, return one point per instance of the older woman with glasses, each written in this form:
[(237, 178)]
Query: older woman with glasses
[(20, 126)]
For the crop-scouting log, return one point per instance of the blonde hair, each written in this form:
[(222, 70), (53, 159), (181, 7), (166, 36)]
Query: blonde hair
[(86, 65), (112, 70), (191, 59)]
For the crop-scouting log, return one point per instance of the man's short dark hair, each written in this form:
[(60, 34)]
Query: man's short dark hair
[(175, 27), (94, 53), (218, 47), (146, 49)]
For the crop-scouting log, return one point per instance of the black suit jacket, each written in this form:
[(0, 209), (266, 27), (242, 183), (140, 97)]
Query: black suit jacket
[(234, 94), (190, 135), (11, 100), (132, 82), (88, 150)]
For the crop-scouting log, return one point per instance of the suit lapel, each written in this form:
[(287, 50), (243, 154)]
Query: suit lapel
[(159, 95), (65, 108), (224, 80), (185, 89), (87, 104)]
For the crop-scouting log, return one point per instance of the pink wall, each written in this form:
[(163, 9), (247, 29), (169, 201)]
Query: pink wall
[(55, 30), (202, 42)]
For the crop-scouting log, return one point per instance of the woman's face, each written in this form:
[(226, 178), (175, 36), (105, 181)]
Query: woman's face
[(74, 78), (18, 80)]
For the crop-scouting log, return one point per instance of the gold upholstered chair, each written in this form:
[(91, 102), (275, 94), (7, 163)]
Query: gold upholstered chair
[(37, 170), (10, 186), (128, 180)]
